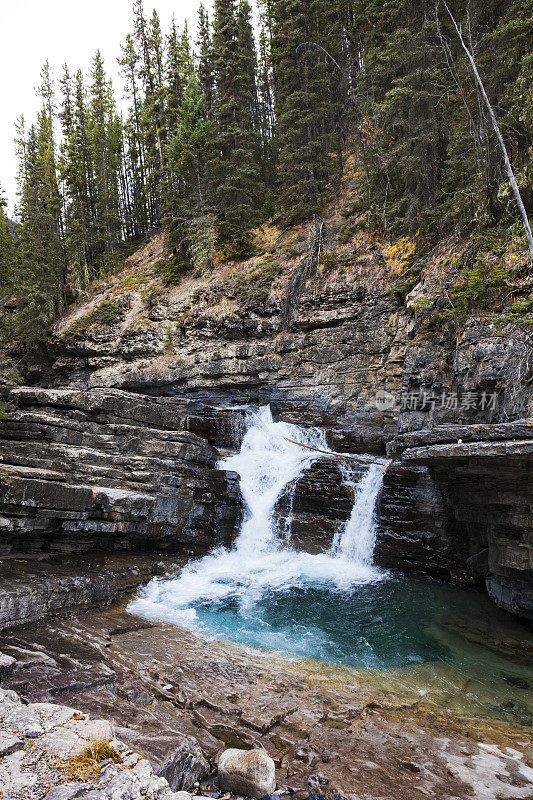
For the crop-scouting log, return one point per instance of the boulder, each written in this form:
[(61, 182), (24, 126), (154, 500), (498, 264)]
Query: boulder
[(248, 772), (185, 766)]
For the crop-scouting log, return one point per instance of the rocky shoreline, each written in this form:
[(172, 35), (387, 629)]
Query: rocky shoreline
[(332, 732)]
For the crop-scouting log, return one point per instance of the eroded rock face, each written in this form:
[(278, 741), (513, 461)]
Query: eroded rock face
[(484, 474), (348, 339), (100, 469)]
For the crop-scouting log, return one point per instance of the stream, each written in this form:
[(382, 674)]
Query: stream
[(337, 606)]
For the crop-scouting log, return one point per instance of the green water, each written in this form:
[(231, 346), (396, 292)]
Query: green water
[(450, 645)]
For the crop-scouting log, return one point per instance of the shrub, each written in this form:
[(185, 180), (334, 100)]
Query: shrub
[(254, 287), (105, 313), (479, 285), (87, 764), (171, 271)]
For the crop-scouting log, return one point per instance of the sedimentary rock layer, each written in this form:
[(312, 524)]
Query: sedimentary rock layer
[(103, 469), (484, 473)]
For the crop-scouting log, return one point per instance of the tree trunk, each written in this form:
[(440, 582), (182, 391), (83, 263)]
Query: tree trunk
[(510, 173)]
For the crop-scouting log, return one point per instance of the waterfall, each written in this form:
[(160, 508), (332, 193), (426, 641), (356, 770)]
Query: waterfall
[(356, 540), (261, 561), (267, 463)]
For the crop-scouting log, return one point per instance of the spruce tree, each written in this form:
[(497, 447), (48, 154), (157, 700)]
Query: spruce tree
[(309, 57), (41, 260), (7, 251), (204, 46), (237, 175), (190, 153), (104, 135), (134, 151)]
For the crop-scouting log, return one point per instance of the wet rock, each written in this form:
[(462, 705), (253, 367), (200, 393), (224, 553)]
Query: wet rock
[(483, 474), (248, 772), (185, 766)]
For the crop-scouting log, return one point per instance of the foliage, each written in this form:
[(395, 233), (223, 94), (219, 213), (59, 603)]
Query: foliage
[(87, 764), (519, 313), (215, 142), (479, 285), (105, 313), (311, 63), (253, 288), (171, 271)]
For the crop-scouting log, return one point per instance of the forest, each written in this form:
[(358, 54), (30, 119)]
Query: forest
[(252, 116)]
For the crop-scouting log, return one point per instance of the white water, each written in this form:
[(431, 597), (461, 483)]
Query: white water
[(261, 560)]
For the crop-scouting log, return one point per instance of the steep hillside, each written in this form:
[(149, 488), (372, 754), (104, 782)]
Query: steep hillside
[(323, 318)]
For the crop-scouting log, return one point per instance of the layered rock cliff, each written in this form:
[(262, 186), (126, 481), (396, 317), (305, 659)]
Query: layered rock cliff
[(152, 367), (350, 336), (106, 470)]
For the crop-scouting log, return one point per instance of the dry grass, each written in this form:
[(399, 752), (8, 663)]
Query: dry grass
[(87, 764)]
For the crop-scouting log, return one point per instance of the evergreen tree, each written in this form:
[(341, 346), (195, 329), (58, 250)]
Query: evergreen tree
[(104, 135), (134, 152), (180, 65), (147, 43), (237, 175), (190, 153), (309, 55), (206, 77), (7, 251), (41, 263)]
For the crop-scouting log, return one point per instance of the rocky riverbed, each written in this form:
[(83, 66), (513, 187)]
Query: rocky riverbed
[(332, 731)]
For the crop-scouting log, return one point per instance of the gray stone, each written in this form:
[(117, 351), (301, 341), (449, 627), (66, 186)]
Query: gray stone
[(124, 786), (91, 729), (185, 766), (179, 796), (68, 791), (7, 665), (51, 714), (23, 720), (8, 744), (8, 698), (248, 772), (61, 743)]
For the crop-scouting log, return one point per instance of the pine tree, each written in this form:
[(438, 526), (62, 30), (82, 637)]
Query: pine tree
[(237, 175), (309, 56), (204, 45)]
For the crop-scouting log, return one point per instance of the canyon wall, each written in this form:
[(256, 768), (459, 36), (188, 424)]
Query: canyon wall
[(121, 459)]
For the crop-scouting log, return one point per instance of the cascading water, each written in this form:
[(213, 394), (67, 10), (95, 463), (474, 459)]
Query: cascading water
[(225, 591), (335, 606)]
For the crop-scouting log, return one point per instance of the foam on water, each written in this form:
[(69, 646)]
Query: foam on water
[(261, 562)]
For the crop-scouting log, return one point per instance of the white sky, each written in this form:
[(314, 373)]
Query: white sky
[(62, 31)]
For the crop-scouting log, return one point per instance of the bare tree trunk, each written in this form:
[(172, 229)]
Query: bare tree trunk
[(510, 173)]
